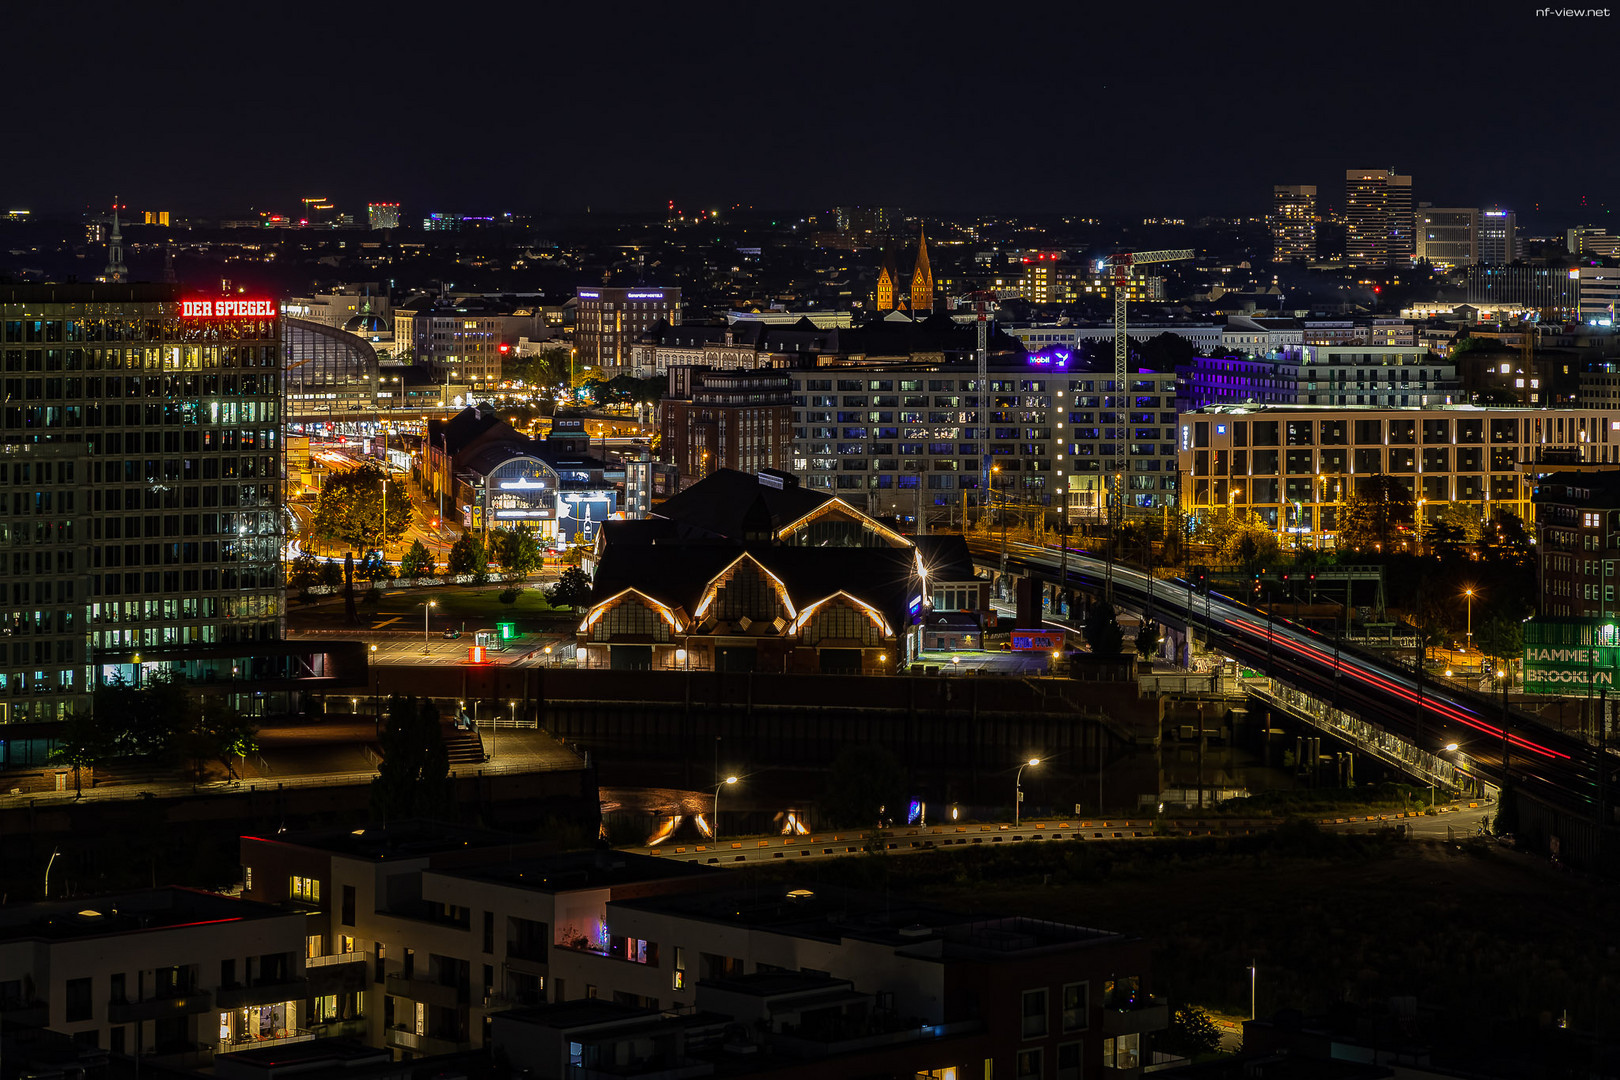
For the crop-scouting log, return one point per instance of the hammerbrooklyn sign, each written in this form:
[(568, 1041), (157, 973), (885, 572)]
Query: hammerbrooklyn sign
[(1563, 656)]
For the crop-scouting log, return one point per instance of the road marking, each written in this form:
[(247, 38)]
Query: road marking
[(385, 622)]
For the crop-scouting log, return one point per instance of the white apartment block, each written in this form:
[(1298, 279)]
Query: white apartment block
[(1388, 376), (172, 974), (1295, 465), (894, 439)]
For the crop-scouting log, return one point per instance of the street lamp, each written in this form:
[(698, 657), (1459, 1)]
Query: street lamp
[(1449, 748), (373, 675), (427, 607), (1468, 643), (1018, 789), (680, 658), (716, 829), (547, 651)]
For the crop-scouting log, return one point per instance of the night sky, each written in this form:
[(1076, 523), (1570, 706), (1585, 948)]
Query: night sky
[(1143, 108)]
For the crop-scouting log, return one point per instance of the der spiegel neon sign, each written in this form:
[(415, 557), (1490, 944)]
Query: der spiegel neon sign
[(228, 309)]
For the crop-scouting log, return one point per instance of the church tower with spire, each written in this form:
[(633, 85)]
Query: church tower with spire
[(116, 271), (922, 280)]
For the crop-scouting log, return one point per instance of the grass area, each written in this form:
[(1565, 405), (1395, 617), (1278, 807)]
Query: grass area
[(1496, 941)]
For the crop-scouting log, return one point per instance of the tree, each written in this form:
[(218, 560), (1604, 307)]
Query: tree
[(516, 551), (304, 571), (468, 556), (218, 734), (418, 562), (1147, 639), (331, 574), (572, 588), (84, 744), (1248, 543), (1192, 1032), (1373, 515), (865, 788), (1500, 637), (350, 508), (413, 779), (1102, 630)]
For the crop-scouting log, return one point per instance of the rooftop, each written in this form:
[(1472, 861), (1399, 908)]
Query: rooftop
[(141, 911), (569, 870), (409, 839), (831, 914)]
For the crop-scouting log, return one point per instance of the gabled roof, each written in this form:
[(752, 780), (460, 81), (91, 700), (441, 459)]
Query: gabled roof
[(733, 505)]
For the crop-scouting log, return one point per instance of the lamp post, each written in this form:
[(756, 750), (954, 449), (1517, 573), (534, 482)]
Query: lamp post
[(717, 787), (1018, 790), (1449, 748), (373, 675), (1468, 642), (426, 608)]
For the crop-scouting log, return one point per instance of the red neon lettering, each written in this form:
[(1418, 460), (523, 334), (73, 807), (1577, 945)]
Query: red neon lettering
[(228, 309)]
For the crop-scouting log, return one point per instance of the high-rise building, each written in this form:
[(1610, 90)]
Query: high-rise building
[(140, 491), (382, 215), (1448, 235), (1378, 211), (1498, 239), (1293, 221), (608, 321), (459, 340), (727, 420)]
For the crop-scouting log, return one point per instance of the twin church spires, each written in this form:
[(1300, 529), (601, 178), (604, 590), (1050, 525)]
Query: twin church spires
[(921, 300)]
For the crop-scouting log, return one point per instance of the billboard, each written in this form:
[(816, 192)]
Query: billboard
[(1031, 640), (1568, 656)]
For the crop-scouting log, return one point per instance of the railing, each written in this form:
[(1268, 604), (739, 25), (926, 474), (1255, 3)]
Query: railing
[(337, 958), (1369, 738), (297, 1035)]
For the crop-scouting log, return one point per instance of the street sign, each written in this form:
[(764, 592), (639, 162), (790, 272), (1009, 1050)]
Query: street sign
[(1566, 656)]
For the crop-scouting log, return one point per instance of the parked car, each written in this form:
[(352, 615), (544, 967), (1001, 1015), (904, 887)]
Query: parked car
[(451, 633)]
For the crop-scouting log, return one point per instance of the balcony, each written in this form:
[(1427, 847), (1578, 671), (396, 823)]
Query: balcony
[(400, 1039), (355, 1028), (297, 1035), (1151, 1015), (24, 1014), (338, 973), (337, 959), (267, 992), (680, 1069), (189, 1004), (429, 993), (822, 1040)]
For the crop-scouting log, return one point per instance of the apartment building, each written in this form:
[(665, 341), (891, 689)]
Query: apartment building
[(714, 420), (891, 439), (604, 959), (1387, 376), (171, 974), (1295, 465), (1578, 542), (1292, 221), (458, 340)]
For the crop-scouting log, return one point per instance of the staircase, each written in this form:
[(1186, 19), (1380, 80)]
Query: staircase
[(464, 747)]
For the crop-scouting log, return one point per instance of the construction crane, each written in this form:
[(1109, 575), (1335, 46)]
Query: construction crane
[(983, 301), (1121, 264)]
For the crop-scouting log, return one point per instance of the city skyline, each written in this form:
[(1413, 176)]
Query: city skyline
[(1160, 118)]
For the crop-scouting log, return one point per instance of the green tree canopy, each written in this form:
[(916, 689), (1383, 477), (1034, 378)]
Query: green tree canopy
[(350, 508), (516, 551), (469, 556), (1147, 639), (572, 588), (1192, 1032), (1102, 630), (413, 779), (418, 562), (1376, 515), (1248, 543)]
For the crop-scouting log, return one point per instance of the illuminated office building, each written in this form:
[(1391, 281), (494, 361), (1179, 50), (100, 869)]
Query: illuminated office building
[(382, 215), (140, 492), (1378, 213), (607, 322), (1296, 465), (1292, 222)]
